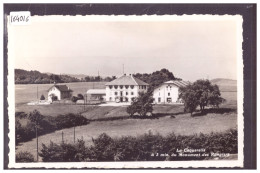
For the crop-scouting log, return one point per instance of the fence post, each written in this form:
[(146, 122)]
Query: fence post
[(74, 134), (62, 140)]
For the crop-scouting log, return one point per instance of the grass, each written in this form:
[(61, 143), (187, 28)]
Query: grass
[(28, 92), (115, 121), (184, 125)]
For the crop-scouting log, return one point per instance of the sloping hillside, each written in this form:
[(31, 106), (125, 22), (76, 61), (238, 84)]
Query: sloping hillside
[(36, 77), (225, 85)]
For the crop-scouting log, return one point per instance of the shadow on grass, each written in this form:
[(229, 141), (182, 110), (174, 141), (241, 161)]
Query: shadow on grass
[(215, 111), (154, 116)]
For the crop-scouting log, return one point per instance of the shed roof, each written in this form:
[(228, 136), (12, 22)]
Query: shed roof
[(127, 80), (96, 91)]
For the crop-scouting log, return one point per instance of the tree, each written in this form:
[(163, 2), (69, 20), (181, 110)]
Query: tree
[(80, 97), (42, 97), (24, 157), (141, 104), (74, 99), (201, 93), (36, 118), (190, 101)]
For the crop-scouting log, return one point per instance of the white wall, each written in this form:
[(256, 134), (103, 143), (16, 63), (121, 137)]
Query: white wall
[(111, 92), (163, 91), (54, 91)]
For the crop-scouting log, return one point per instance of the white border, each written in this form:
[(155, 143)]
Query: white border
[(143, 164)]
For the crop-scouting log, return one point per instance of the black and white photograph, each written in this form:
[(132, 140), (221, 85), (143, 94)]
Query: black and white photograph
[(117, 91)]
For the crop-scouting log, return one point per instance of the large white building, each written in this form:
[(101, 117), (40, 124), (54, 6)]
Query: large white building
[(124, 89), (168, 92)]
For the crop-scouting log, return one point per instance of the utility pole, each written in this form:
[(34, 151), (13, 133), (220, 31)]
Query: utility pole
[(62, 140), (36, 131), (37, 91), (74, 134)]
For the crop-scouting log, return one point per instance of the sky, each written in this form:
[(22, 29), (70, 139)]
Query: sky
[(190, 49)]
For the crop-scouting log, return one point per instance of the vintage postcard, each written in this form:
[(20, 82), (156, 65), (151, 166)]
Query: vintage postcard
[(115, 91)]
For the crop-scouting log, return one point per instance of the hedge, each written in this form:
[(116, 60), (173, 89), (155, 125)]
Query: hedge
[(140, 148), (47, 125)]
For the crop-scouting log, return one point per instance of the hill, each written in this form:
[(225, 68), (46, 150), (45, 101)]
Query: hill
[(225, 85), (36, 77)]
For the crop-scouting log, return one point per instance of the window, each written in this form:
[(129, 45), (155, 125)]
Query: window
[(132, 93), (159, 100), (127, 86), (116, 93), (110, 98), (110, 86), (145, 87), (132, 86), (121, 86), (126, 93), (169, 100), (115, 86), (169, 94)]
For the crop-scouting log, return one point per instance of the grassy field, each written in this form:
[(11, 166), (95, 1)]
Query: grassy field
[(182, 124), (28, 92), (122, 125)]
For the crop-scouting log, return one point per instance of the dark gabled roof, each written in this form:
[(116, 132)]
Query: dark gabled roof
[(126, 80), (177, 83), (62, 88)]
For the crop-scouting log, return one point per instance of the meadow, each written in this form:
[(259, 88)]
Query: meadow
[(116, 122), (25, 93)]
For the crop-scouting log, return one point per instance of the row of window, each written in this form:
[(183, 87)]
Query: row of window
[(121, 86), (169, 94), (123, 99), (126, 93), (126, 86), (169, 100), (142, 87)]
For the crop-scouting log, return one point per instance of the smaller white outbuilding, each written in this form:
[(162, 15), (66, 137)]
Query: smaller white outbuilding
[(168, 92), (96, 95), (59, 92)]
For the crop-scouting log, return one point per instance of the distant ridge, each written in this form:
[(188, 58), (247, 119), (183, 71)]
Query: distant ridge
[(223, 81), (225, 85), (36, 77), (78, 76)]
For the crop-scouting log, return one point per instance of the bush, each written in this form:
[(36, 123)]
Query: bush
[(141, 148), (70, 120), (20, 115), (42, 97), (24, 157), (80, 97), (74, 99), (45, 124), (64, 152)]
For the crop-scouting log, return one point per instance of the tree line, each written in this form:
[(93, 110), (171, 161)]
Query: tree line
[(36, 77), (156, 78)]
